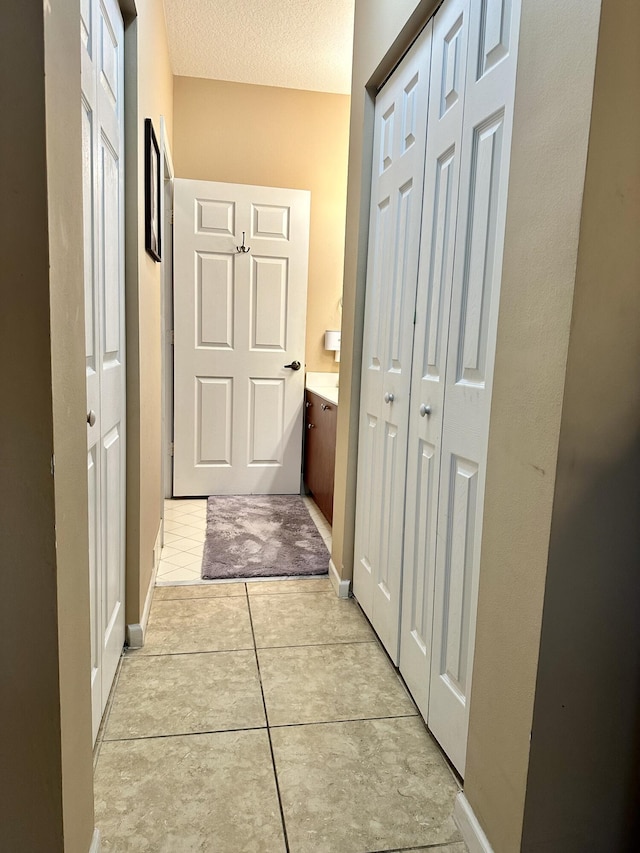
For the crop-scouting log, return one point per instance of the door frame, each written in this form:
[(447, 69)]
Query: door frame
[(166, 312), (298, 202)]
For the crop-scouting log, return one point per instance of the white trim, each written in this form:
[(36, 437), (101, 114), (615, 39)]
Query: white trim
[(136, 632), (95, 842), (168, 174), (342, 587), (469, 826), (166, 148)]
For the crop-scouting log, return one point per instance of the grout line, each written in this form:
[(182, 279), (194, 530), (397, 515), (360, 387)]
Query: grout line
[(338, 722), (293, 592), (315, 645), (199, 597), (104, 722), (133, 656), (266, 717), (185, 734), (437, 846)]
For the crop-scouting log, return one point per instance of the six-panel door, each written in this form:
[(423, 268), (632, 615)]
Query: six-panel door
[(485, 155), (398, 171), (433, 304), (102, 53), (240, 294)]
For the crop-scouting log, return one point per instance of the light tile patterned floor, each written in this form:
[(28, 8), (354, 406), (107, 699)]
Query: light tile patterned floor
[(264, 717), (184, 533)]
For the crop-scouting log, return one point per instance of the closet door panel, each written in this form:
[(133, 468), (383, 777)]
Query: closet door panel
[(486, 144), (442, 173), (396, 203)]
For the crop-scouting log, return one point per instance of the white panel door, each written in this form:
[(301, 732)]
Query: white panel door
[(486, 144), (240, 320), (102, 51), (433, 304), (392, 269)]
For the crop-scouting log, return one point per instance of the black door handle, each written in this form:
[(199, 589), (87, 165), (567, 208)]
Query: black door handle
[(295, 365)]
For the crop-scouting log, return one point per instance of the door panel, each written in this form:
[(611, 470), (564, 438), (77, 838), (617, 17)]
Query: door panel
[(103, 148), (214, 396), (95, 586), (486, 144), (266, 421), (397, 180), (239, 318), (269, 300), (214, 300), (437, 245)]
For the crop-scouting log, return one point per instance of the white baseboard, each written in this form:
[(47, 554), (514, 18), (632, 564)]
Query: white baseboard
[(136, 632), (95, 842), (469, 826), (341, 587)]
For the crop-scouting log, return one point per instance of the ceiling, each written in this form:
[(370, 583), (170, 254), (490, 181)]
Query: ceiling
[(296, 44)]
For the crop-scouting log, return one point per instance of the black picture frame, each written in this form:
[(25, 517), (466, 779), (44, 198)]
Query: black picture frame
[(152, 185)]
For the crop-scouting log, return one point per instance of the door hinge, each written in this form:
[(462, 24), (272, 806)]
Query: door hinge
[(171, 449), (171, 217), (172, 337)]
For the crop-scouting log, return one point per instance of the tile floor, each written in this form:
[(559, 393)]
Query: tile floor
[(184, 532), (264, 717)]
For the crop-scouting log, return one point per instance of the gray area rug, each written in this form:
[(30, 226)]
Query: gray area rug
[(257, 536)]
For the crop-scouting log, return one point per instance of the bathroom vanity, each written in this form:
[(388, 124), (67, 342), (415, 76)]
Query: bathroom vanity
[(321, 416)]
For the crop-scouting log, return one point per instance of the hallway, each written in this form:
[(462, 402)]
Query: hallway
[(265, 716)]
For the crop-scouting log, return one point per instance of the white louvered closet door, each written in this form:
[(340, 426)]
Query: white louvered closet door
[(398, 172)]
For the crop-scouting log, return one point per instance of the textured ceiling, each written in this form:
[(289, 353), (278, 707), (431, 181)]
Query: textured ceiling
[(297, 44)]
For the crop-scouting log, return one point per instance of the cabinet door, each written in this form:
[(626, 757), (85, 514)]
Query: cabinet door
[(392, 270), (320, 451)]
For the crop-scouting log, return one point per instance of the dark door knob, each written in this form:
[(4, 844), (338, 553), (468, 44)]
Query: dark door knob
[(295, 365)]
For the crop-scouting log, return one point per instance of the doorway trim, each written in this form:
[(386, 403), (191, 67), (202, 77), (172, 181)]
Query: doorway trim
[(166, 215)]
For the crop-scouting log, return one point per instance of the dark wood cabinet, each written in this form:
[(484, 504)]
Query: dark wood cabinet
[(321, 417)]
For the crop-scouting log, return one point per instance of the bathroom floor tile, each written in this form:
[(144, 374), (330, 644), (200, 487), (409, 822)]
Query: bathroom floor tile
[(211, 793), (182, 694), (181, 559), (197, 625), (182, 543), (176, 574), (311, 684), (186, 530), (307, 619), (286, 586), (198, 590), (363, 786)]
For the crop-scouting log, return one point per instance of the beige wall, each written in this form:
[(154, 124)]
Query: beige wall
[(45, 713), (146, 51), (64, 188), (582, 786), (548, 161), (268, 136)]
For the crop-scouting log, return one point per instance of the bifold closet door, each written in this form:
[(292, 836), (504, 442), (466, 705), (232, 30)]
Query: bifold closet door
[(396, 205), (486, 146), (433, 306)]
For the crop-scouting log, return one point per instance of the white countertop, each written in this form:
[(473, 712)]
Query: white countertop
[(324, 384)]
